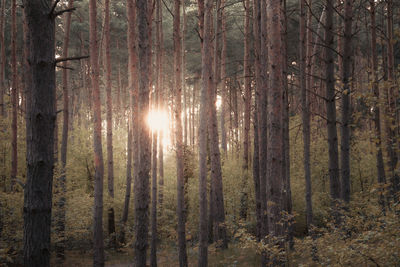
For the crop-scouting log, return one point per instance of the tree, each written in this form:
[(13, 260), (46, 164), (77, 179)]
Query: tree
[(142, 195), (205, 9), (274, 109), (3, 59), (40, 133), (14, 96), (305, 114), (331, 104), (61, 186), (110, 161), (180, 210), (98, 245)]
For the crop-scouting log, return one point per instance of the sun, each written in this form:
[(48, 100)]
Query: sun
[(158, 121)]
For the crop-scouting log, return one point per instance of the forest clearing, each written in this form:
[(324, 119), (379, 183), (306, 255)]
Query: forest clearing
[(199, 133)]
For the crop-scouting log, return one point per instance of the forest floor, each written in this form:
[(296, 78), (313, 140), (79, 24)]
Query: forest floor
[(232, 257)]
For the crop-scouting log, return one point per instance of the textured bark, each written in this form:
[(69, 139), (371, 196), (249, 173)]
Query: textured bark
[(331, 104), (61, 187), (153, 251), (110, 161), (142, 194), (257, 71), (346, 108), (205, 8), (305, 114), (180, 210), (391, 127), (3, 59), (247, 109), (128, 183), (98, 245), (274, 109), (160, 56), (40, 134), (184, 88), (375, 90), (224, 96), (14, 95)]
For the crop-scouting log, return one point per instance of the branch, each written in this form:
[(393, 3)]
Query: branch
[(170, 12), (62, 59), (66, 68), (53, 8), (64, 11)]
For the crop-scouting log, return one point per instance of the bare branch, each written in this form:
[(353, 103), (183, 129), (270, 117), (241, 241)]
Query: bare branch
[(53, 8), (62, 59), (58, 13)]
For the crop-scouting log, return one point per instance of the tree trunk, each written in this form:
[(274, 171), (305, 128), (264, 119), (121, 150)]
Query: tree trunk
[(61, 187), (247, 109), (128, 181), (331, 104), (305, 114), (40, 134), (205, 21), (14, 95), (274, 110), (346, 108), (110, 161), (98, 246), (3, 59), (178, 136), (224, 95), (375, 90), (142, 194)]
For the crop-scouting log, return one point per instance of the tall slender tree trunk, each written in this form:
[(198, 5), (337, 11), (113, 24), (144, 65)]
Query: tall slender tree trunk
[(205, 22), (224, 96), (161, 105), (153, 251), (346, 108), (184, 89), (61, 187), (14, 95), (375, 88), (110, 161), (98, 245), (391, 127), (3, 59), (178, 136), (142, 194), (274, 110), (305, 114), (40, 134), (247, 108), (331, 104), (128, 179)]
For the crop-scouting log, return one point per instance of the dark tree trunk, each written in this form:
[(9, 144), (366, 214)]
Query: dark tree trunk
[(331, 104), (3, 59), (375, 88), (274, 110), (110, 161), (98, 245), (346, 108), (224, 96), (205, 21), (305, 114), (180, 210), (14, 95), (142, 194), (247, 109), (61, 187), (40, 134)]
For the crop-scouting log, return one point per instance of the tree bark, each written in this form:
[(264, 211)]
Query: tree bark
[(14, 95), (3, 59), (142, 194), (305, 114), (331, 104), (110, 161), (274, 122), (40, 134), (205, 21), (224, 96), (377, 103), (98, 245), (346, 108), (247, 109), (61, 187)]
